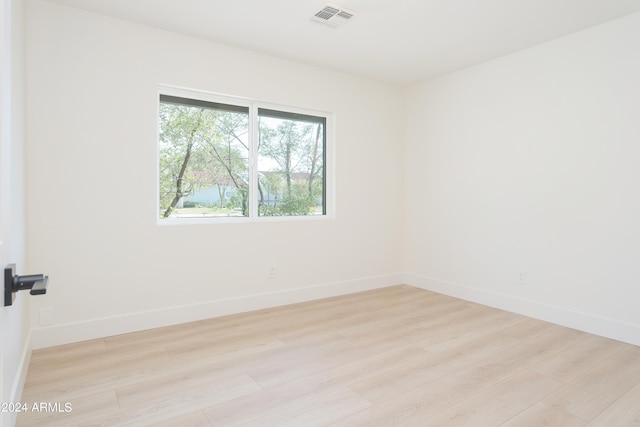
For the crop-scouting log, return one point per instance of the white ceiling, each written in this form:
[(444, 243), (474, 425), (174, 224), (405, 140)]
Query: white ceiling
[(396, 41)]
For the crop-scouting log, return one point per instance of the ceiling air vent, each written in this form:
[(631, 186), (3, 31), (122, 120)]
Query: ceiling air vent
[(333, 16)]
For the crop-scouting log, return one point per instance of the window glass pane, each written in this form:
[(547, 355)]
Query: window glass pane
[(290, 164), (204, 159)]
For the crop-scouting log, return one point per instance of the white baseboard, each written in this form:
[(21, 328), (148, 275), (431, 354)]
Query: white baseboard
[(104, 327), (99, 328), (598, 325)]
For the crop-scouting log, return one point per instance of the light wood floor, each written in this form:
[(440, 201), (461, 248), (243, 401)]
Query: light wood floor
[(396, 356)]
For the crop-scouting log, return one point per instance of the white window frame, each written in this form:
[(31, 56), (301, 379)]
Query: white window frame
[(253, 105)]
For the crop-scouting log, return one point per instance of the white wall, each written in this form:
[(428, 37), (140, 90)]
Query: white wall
[(531, 163), (91, 195), (15, 327)]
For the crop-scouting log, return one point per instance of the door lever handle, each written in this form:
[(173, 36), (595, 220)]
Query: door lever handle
[(36, 283)]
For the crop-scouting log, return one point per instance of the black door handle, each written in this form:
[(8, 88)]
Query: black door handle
[(36, 283)]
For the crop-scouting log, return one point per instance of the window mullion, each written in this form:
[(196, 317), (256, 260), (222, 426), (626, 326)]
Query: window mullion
[(253, 162)]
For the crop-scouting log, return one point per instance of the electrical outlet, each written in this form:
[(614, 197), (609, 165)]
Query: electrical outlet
[(272, 271), (522, 278)]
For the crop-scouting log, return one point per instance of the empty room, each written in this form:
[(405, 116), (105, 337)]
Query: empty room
[(298, 213)]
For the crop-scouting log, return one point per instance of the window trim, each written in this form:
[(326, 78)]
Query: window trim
[(178, 93)]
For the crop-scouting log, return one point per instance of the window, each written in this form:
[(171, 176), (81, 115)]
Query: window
[(230, 158)]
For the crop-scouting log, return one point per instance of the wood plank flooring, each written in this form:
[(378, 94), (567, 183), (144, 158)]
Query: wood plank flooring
[(397, 356)]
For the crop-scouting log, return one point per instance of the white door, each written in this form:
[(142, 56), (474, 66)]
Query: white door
[(4, 129), (14, 320)]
